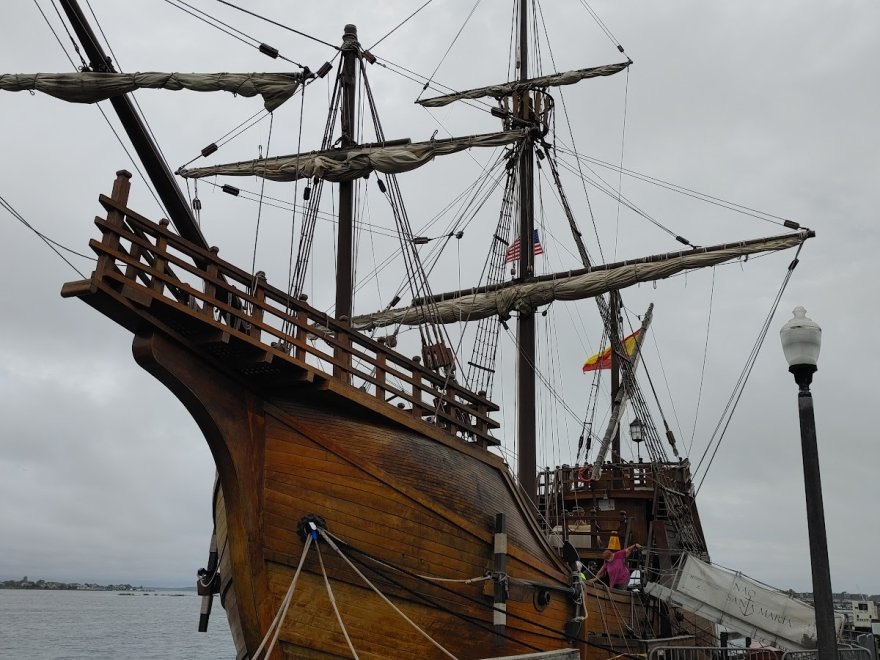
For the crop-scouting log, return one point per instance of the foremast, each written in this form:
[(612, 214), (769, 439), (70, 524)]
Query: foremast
[(345, 232), (154, 164)]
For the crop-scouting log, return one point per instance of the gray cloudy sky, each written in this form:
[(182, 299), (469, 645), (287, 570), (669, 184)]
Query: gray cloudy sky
[(104, 477)]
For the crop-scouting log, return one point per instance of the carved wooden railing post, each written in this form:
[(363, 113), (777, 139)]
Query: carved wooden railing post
[(121, 187), (381, 359), (482, 428), (260, 297), (416, 390), (299, 334), (456, 411), (342, 351), (212, 272), (135, 252), (158, 284)]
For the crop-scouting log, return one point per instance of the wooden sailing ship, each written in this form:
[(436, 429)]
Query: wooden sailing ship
[(359, 506)]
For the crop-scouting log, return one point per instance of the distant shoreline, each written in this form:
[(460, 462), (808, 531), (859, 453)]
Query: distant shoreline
[(51, 585)]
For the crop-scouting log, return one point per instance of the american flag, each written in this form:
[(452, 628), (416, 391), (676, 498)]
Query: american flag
[(513, 251)]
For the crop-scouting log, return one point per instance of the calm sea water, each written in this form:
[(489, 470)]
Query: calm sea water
[(56, 625)]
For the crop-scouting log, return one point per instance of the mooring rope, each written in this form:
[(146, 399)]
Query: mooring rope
[(430, 578), (275, 627), (619, 618), (329, 540), (333, 603)]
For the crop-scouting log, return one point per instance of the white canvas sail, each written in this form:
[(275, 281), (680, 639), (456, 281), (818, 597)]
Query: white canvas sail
[(529, 295), (733, 600), (542, 82), (91, 87), (349, 164)]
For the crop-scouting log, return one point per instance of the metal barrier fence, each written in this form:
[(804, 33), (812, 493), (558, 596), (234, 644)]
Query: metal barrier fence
[(843, 653), (737, 653), (698, 653)]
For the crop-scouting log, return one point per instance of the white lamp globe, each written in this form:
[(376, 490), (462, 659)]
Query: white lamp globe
[(801, 339)]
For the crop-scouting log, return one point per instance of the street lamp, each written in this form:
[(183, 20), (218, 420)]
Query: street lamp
[(801, 340)]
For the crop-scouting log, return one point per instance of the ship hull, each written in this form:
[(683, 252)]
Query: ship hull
[(439, 552), (393, 497)]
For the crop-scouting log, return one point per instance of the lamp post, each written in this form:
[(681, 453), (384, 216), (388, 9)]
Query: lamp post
[(801, 340), (636, 433)]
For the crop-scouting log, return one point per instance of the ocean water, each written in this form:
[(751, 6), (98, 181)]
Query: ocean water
[(56, 625)]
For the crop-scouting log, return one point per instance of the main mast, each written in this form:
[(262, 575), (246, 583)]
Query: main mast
[(525, 328)]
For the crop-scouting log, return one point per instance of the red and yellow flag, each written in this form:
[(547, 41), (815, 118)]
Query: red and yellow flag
[(602, 360)]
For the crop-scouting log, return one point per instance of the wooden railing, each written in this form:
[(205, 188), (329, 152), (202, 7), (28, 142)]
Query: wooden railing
[(147, 264), (575, 502), (617, 477)]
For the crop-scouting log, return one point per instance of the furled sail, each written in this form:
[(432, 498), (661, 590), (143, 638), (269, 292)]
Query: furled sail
[(740, 604), (91, 87), (353, 162), (528, 295), (542, 82)]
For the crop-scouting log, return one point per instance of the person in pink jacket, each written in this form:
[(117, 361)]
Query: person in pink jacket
[(615, 567)]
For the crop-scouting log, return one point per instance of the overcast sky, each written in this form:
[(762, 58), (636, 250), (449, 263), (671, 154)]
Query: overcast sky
[(104, 477)]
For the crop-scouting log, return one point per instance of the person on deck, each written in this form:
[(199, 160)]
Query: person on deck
[(615, 567)]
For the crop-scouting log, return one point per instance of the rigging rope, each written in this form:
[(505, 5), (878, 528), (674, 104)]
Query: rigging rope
[(134, 162), (687, 192), (329, 540), (277, 24), (403, 72), (399, 25), (70, 36), (602, 25), (739, 387), (603, 186), (431, 333), (703, 368), (284, 205), (260, 206), (457, 35), (208, 18), (666, 381), (333, 603), (543, 378), (307, 231), (132, 95), (620, 175), (571, 135), (53, 245), (548, 633)]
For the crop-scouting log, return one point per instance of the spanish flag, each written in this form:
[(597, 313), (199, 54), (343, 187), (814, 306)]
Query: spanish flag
[(602, 360)]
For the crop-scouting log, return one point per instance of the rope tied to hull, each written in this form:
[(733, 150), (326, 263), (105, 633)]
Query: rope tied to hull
[(326, 537), (275, 627), (333, 603)]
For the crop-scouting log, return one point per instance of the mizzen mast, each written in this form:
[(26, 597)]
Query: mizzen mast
[(525, 327)]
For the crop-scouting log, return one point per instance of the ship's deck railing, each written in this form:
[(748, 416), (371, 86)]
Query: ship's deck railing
[(618, 476), (574, 505), (149, 265)]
